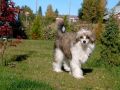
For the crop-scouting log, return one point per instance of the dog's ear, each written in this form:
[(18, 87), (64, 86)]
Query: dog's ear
[(77, 37), (92, 37)]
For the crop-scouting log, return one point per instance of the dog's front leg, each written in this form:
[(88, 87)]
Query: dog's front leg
[(58, 60), (76, 70)]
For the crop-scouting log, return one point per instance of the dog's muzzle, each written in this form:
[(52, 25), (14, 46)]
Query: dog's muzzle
[(84, 42)]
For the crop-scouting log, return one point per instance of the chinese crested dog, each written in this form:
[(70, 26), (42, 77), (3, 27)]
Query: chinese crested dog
[(72, 49)]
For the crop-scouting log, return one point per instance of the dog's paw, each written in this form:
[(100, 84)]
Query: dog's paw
[(67, 69), (57, 70), (79, 77), (70, 73)]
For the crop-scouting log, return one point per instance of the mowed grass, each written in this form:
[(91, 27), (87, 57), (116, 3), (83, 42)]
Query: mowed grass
[(30, 68)]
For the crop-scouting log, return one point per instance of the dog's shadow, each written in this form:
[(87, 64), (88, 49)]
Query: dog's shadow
[(87, 70)]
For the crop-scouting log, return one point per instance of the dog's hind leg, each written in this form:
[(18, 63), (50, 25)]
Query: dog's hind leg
[(58, 60), (66, 65)]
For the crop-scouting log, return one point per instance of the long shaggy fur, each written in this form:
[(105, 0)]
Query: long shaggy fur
[(72, 49)]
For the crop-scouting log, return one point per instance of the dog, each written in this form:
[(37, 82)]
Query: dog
[(72, 49)]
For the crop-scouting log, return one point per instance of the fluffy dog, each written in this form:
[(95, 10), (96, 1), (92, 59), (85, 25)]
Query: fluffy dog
[(72, 49)]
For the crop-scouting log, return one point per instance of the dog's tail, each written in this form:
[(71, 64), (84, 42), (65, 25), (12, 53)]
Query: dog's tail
[(60, 27)]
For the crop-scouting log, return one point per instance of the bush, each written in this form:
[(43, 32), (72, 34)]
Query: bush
[(37, 28), (98, 30), (110, 44), (50, 32), (67, 24)]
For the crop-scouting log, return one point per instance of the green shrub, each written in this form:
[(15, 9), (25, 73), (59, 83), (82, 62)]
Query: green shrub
[(98, 30), (67, 24), (37, 28), (50, 32), (110, 44)]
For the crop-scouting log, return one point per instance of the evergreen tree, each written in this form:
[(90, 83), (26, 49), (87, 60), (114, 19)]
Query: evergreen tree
[(100, 9), (37, 28), (92, 10), (50, 14), (110, 42), (89, 10), (56, 12), (80, 13), (40, 11), (99, 27), (68, 26)]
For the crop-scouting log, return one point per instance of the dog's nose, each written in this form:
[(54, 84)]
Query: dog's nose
[(84, 41)]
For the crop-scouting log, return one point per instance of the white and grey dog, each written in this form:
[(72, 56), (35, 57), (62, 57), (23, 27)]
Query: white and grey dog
[(72, 49)]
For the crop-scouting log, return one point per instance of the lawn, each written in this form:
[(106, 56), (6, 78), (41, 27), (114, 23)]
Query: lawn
[(30, 68)]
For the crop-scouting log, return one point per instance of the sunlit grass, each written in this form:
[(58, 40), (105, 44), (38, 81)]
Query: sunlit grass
[(32, 64)]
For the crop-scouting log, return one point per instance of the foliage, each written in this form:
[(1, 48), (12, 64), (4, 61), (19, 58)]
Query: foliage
[(92, 11), (56, 12), (89, 10), (44, 27), (67, 24), (40, 29), (40, 11), (110, 43), (26, 17), (8, 14), (37, 28), (50, 14), (98, 30), (100, 6), (50, 32), (80, 13)]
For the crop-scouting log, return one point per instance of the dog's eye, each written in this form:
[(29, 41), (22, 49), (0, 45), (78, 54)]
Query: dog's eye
[(81, 37), (88, 37)]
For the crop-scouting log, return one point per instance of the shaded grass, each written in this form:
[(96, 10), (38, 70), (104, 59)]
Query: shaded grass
[(13, 82), (28, 85), (37, 66)]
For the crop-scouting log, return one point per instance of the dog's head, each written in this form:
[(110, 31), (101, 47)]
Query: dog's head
[(85, 37)]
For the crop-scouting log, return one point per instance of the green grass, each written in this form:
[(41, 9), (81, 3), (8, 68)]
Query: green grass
[(31, 69), (12, 82)]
